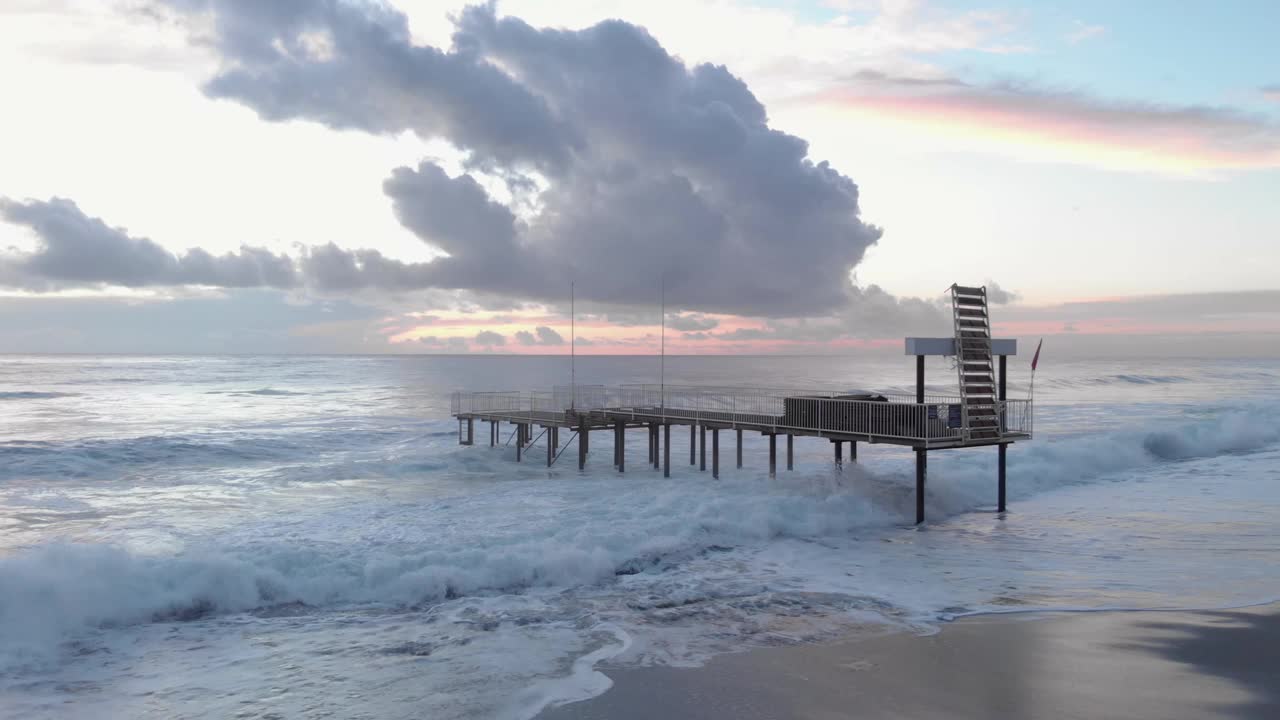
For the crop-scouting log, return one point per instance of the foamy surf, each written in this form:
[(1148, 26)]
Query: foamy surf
[(294, 555)]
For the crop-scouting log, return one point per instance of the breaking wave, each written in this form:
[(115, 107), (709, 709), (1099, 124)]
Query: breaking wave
[(50, 591)]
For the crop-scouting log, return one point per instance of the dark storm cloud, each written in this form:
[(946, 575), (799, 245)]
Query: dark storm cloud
[(647, 166), (75, 250)]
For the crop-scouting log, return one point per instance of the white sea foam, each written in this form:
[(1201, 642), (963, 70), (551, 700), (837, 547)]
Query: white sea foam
[(344, 543)]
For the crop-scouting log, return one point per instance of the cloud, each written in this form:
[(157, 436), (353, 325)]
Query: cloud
[(1271, 92), (691, 322), (449, 344), (1081, 31), (544, 336), (999, 296), (490, 339), (75, 250), (1065, 125), (630, 159)]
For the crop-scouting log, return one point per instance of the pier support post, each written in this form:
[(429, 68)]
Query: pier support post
[(666, 450), (1004, 448), (853, 451), (493, 433), (551, 445), (702, 447), (621, 445), (693, 443), (773, 455), (922, 470), (791, 439), (471, 431), (739, 433), (715, 452), (919, 378), (839, 452), (582, 447), (519, 441), (657, 445), (649, 430)]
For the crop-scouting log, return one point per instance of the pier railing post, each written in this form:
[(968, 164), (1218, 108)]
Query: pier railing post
[(922, 470)]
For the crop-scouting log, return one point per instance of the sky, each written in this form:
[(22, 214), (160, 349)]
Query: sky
[(784, 176)]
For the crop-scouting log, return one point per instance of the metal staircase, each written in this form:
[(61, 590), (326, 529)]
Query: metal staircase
[(979, 410)]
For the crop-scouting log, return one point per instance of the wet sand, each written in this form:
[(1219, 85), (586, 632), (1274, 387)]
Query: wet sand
[(1113, 665)]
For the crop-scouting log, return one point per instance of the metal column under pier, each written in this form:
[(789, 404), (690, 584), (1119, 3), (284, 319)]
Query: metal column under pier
[(666, 450), (922, 470), (693, 444), (1004, 449), (621, 430), (715, 453), (551, 444), (790, 452), (839, 452), (519, 441), (702, 447), (582, 447), (739, 433), (853, 450), (773, 455)]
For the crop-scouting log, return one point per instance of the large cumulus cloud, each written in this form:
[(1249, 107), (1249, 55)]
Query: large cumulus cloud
[(635, 165)]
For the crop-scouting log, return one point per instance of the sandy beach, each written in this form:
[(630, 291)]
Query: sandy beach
[(1117, 665)]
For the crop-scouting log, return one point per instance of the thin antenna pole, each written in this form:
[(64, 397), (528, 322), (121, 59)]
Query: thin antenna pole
[(662, 363), (573, 359)]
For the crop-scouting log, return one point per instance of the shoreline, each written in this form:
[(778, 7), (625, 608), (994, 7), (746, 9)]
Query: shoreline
[(1117, 664)]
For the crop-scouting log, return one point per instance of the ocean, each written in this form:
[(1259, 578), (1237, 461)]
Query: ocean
[(258, 537)]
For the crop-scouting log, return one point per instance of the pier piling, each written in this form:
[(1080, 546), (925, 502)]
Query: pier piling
[(622, 446), (582, 447), (791, 451), (1004, 447), (922, 470), (839, 452), (739, 434), (773, 455), (666, 450), (715, 452), (702, 448), (693, 444)]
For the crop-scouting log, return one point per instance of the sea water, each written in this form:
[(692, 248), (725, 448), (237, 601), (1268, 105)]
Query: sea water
[(213, 537)]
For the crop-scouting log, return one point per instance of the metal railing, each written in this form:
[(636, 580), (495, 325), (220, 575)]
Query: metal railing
[(822, 412)]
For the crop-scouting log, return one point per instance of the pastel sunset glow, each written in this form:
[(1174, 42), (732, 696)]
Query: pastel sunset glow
[(414, 177)]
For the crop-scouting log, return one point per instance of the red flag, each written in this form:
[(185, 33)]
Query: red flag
[(1035, 360)]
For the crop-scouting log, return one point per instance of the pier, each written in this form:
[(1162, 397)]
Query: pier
[(979, 415)]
